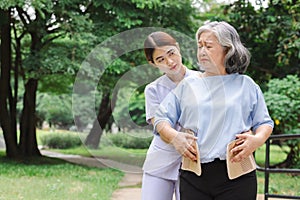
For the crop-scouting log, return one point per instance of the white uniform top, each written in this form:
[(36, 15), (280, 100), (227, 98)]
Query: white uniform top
[(162, 159)]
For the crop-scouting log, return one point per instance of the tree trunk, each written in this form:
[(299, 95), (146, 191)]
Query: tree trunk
[(105, 112), (9, 131), (28, 142), (13, 100)]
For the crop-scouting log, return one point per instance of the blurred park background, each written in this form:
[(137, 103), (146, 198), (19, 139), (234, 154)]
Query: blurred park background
[(46, 43)]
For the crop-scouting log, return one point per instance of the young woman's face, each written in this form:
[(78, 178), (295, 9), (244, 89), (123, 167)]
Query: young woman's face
[(210, 53), (168, 59)]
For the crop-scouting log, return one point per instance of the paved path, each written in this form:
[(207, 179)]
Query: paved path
[(129, 186)]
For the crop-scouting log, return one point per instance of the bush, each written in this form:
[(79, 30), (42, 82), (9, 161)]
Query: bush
[(128, 141), (55, 109), (60, 140), (283, 101)]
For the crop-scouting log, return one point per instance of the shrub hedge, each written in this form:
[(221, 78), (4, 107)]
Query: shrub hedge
[(127, 140), (66, 140), (59, 140)]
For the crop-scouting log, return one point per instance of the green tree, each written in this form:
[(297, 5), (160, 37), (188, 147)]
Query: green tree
[(55, 109), (8, 109), (272, 35), (117, 16), (35, 25)]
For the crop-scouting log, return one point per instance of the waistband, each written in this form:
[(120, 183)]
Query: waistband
[(215, 161)]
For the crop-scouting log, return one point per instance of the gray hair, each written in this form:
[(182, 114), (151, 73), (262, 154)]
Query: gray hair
[(237, 56)]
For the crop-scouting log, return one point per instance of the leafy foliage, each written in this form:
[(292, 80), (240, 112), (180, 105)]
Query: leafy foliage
[(272, 35), (5, 4), (117, 17), (50, 29), (137, 107), (283, 102), (55, 109), (68, 29)]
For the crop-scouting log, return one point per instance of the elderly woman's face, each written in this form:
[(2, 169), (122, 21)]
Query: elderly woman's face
[(210, 53)]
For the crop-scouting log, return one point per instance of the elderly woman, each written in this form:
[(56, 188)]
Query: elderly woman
[(219, 106)]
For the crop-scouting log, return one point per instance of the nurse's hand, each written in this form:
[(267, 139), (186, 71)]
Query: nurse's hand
[(184, 144)]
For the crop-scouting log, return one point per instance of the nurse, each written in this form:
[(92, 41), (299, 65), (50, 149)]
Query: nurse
[(161, 167)]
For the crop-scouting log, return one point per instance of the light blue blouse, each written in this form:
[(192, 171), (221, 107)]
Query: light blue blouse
[(216, 108)]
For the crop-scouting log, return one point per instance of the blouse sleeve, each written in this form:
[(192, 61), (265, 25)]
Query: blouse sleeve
[(169, 110), (260, 114)]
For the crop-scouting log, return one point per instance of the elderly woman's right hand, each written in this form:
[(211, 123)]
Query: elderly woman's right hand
[(184, 143)]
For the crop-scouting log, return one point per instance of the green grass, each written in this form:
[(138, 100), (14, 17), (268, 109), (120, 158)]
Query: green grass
[(279, 183), (277, 154), (129, 156), (284, 184), (53, 179)]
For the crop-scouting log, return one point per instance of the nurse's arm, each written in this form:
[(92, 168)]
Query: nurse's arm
[(181, 141)]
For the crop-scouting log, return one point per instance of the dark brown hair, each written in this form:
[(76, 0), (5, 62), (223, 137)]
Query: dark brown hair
[(155, 40)]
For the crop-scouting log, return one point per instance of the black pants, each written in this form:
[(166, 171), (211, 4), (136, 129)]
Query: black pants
[(214, 184)]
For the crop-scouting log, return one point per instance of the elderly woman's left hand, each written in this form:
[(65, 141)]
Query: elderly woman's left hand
[(246, 145)]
